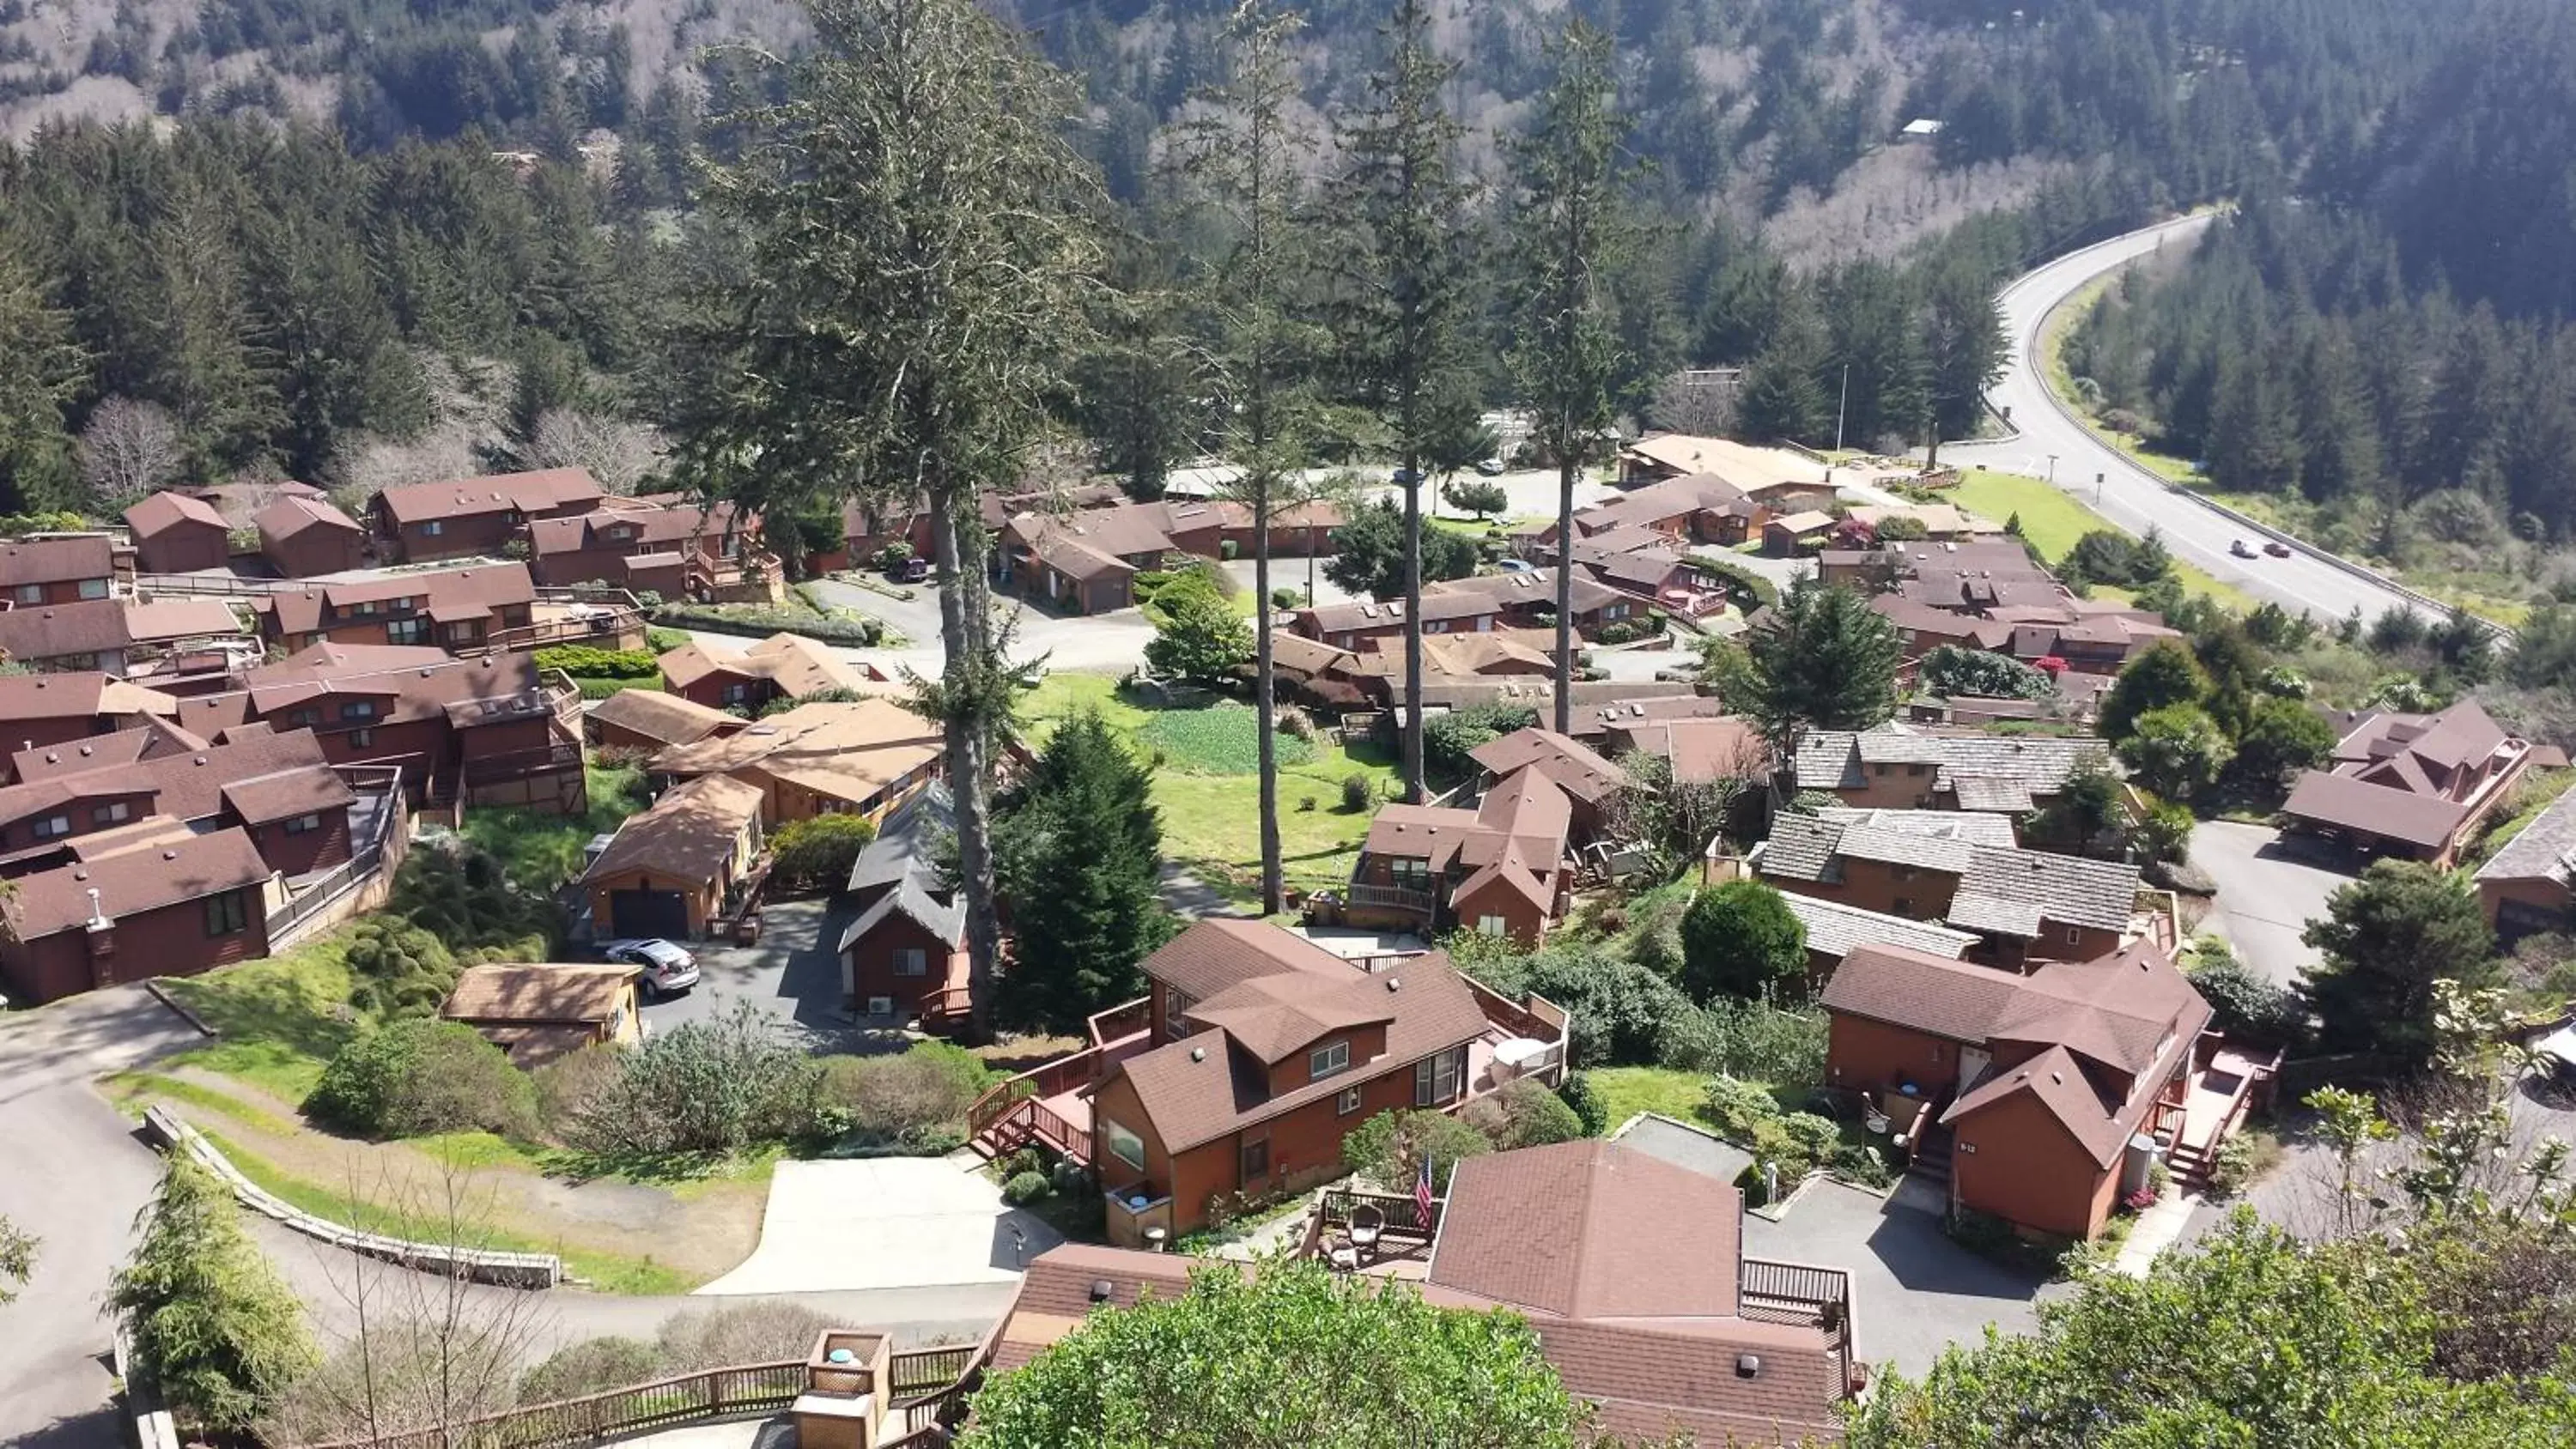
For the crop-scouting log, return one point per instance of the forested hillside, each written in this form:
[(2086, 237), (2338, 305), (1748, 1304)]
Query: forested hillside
[(2391, 343), (478, 214)]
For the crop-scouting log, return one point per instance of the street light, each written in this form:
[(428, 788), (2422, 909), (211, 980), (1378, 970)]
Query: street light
[(2052, 470)]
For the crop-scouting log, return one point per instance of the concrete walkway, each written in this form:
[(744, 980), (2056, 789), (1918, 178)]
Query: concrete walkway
[(2156, 1229)]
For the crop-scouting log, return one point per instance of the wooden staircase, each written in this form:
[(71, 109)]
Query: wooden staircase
[(2190, 1166), (1931, 1157)]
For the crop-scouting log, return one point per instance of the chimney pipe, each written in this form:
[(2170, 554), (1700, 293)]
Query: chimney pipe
[(96, 920)]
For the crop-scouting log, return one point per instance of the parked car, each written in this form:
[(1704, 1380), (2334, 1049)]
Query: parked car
[(668, 969), (1490, 468), (2241, 549), (2277, 549), (911, 571), (1514, 566)]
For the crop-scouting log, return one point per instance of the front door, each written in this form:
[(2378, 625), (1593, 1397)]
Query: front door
[(1972, 1065)]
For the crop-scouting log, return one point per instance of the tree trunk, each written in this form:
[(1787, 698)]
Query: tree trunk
[(1566, 468), (1265, 700), (1413, 784), (965, 634)]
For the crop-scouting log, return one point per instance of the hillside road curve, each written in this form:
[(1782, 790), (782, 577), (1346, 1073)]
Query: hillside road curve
[(2127, 493)]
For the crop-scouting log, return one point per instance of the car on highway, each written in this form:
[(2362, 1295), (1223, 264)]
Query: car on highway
[(2277, 549), (2241, 549), (667, 969)]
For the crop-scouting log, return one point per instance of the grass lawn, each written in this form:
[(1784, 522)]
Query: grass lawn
[(2053, 520), (1208, 793), (278, 1020), (1627, 1091)]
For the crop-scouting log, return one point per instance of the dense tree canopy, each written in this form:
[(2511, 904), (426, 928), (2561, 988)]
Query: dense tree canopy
[(2387, 938), (1825, 660), (1080, 846)]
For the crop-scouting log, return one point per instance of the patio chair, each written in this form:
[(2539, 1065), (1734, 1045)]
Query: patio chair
[(1366, 1223)]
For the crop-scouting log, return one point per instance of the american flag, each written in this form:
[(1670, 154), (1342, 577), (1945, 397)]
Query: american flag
[(1422, 1196)]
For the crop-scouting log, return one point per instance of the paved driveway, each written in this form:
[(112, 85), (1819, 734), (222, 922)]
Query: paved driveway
[(885, 1224), (1914, 1292), (793, 976), (2268, 890)]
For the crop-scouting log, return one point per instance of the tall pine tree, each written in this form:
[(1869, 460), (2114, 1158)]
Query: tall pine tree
[(1081, 854)]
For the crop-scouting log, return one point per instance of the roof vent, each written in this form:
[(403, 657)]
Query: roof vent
[(1101, 1289), (169, 855), (2058, 1077), (1198, 1054), (1395, 983), (1748, 1365)]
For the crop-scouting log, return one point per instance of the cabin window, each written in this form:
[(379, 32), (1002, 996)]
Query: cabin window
[(1328, 1060), (911, 961), (362, 739), (1490, 926), (93, 588), (31, 593), (1435, 1078), (303, 824), (407, 631), (52, 826), (225, 915), (1347, 1103), (111, 814), (432, 529), (1124, 1145), (1256, 1160), (358, 709)]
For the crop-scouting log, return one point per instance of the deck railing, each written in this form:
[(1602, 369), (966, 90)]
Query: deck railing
[(380, 852), (1390, 898), (1122, 1021), (1803, 1295), (611, 623), (1398, 1214)]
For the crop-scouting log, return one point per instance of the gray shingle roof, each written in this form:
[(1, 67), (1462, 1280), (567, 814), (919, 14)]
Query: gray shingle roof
[(1801, 847), (942, 919), (2011, 891), (1837, 930), (907, 842), (2541, 850), (1995, 794), (2041, 761), (1827, 760), (1941, 824)]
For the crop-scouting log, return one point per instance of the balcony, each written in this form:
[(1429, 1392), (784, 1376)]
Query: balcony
[(1420, 901)]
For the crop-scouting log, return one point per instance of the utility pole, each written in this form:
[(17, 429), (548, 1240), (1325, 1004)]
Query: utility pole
[(2052, 470), (1842, 408), (2097, 490)]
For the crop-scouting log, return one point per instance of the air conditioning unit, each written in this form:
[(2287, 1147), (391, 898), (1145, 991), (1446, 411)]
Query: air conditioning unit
[(880, 1006)]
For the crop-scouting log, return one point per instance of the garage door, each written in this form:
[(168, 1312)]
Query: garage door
[(648, 913)]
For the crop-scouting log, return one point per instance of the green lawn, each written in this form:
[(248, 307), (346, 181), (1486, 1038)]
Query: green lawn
[(2052, 520), (1626, 1091), (278, 1020), (1208, 794)]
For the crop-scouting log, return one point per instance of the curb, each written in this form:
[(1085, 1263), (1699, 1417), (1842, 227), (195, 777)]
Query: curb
[(153, 984)]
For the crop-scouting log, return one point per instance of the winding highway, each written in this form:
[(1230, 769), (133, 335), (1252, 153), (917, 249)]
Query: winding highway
[(2128, 494)]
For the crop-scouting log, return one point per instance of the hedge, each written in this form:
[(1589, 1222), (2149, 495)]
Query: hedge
[(582, 661), (759, 621), (1741, 583)]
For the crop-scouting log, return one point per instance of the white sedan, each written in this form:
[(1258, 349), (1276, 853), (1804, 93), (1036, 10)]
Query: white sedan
[(667, 968)]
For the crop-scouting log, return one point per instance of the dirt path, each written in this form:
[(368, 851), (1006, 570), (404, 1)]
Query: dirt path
[(696, 1231)]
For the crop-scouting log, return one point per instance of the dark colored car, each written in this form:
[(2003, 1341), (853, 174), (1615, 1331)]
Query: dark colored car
[(2277, 549), (910, 571)]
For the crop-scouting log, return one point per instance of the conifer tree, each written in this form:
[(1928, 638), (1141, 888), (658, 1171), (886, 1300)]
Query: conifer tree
[(1081, 852)]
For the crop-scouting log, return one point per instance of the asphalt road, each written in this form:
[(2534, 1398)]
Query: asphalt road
[(2128, 494)]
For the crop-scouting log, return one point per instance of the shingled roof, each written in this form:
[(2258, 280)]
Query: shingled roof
[(1573, 766), (167, 871), (527, 493)]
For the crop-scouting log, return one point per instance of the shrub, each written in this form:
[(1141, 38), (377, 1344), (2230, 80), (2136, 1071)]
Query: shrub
[(1296, 724), (1621, 631), (592, 1366), (703, 1088), (1389, 1147), (1815, 1137), (1584, 1100), (663, 641), (568, 1083), (1737, 1107), (1618, 1006), (1359, 793), (397, 969), (1756, 1040), (1026, 1188), (2242, 1001), (762, 620), (917, 1097), (418, 1076), (1284, 599), (1523, 1114), (2232, 1166), (1446, 739), (1740, 939), (749, 1333), (1863, 1165), (817, 853), (583, 661)]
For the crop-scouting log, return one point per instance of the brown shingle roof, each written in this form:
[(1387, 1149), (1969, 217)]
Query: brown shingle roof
[(185, 784), (56, 560), (529, 493), (169, 620), (285, 794), (1201, 1087), (483, 586), (688, 834), (1590, 1229), (163, 511), (538, 993), (92, 626), (1573, 766), (669, 718), (134, 881), (1275, 1016), (797, 665), (1931, 994), (75, 695), (290, 516)]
